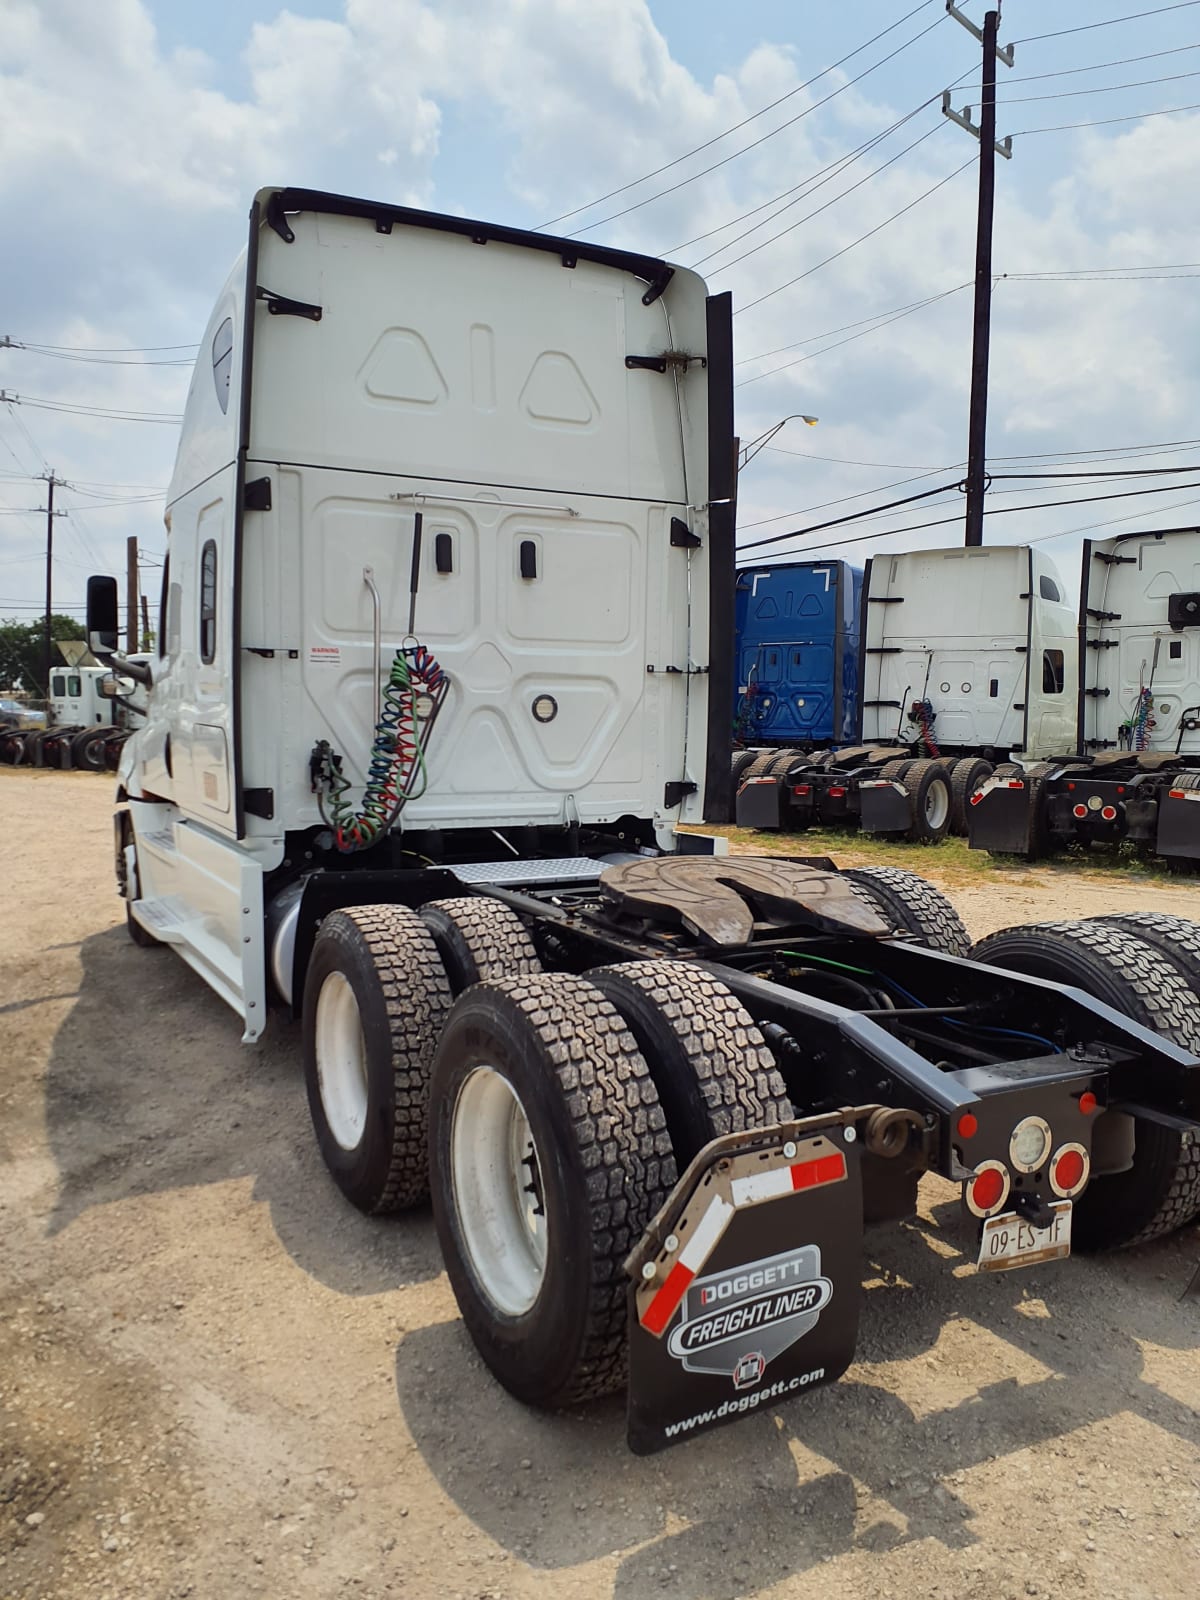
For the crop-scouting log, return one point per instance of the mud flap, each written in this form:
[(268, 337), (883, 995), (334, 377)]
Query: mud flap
[(762, 803), (1179, 824), (1001, 817), (746, 1286), (885, 807)]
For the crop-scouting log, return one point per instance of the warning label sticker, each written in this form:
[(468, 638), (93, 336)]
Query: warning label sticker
[(328, 655)]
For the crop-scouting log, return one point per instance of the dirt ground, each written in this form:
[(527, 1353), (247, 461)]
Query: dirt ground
[(217, 1380)]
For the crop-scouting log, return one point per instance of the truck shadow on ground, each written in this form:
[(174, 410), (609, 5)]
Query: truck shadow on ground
[(150, 1089), (850, 1468)]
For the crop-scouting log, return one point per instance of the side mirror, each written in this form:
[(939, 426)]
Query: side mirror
[(102, 616), (108, 688)]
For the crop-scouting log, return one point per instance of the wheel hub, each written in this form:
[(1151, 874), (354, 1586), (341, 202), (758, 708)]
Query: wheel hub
[(499, 1195)]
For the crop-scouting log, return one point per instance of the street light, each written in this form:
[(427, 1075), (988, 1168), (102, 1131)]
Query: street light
[(749, 451)]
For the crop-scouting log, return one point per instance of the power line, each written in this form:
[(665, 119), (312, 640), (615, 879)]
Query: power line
[(120, 415), (807, 186), (1108, 22), (745, 150), (1105, 88), (9, 343), (1105, 122), (862, 334), (811, 338), (799, 223), (999, 511), (1100, 66), (861, 240), (110, 350), (716, 139)]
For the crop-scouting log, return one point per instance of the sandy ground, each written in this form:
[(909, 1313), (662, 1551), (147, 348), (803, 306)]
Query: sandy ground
[(218, 1380)]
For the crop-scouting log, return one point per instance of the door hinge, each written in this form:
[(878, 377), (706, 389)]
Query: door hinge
[(679, 672), (677, 360), (259, 802), (885, 599), (1114, 561), (1097, 694), (884, 650), (682, 536), (1103, 644), (280, 306), (256, 496), (675, 793), (1104, 616)]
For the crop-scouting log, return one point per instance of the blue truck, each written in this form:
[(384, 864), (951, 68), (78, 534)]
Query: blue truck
[(796, 680)]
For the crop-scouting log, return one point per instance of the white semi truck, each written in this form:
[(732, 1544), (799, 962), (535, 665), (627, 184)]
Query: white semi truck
[(445, 664), (967, 658), (91, 714), (1128, 770)]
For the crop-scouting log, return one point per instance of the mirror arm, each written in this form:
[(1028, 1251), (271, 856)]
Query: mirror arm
[(139, 671)]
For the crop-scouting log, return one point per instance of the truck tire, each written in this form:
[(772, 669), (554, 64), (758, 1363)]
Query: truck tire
[(709, 1062), (375, 999), (538, 1079), (1008, 769), (1161, 1191), (761, 765), (911, 905), (784, 759), (965, 777), (895, 770), (479, 940), (140, 936), (88, 749), (741, 760), (12, 747), (1175, 938), (928, 787)]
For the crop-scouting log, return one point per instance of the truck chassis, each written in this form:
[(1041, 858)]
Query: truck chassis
[(656, 1100)]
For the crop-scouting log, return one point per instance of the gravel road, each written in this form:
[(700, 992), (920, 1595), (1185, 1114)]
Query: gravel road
[(218, 1380)]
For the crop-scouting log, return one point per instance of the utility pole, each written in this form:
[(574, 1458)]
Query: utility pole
[(145, 623), (981, 338), (48, 642), (131, 593)]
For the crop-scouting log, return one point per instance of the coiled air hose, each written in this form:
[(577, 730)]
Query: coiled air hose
[(397, 760)]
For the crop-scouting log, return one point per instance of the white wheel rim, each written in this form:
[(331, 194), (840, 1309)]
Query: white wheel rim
[(937, 804), (341, 1061), (498, 1192)]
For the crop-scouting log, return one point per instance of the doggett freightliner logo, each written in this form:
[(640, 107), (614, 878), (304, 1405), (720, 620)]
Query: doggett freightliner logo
[(758, 1310)]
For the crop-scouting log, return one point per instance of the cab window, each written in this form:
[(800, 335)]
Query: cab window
[(1052, 672), (74, 686)]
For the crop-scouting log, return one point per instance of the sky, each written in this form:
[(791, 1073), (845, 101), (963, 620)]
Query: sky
[(793, 151)]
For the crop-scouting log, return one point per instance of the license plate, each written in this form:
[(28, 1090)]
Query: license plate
[(1009, 1241)]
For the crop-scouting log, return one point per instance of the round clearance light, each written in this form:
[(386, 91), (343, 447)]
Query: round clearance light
[(1030, 1144), (1109, 813), (1094, 802), (1088, 1102), (545, 708), (1069, 1170), (968, 1125), (987, 1191)]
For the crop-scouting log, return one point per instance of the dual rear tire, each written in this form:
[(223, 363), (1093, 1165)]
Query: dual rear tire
[(547, 1115)]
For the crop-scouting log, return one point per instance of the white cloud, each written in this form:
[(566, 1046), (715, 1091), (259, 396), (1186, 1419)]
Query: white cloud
[(126, 170)]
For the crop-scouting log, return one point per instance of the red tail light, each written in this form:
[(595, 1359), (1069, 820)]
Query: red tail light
[(1109, 813), (1069, 1169), (986, 1192), (836, 791), (802, 788), (1080, 811)]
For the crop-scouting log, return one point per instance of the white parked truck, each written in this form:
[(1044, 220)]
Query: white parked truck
[(445, 661), (91, 713), (967, 658), (1129, 771)]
